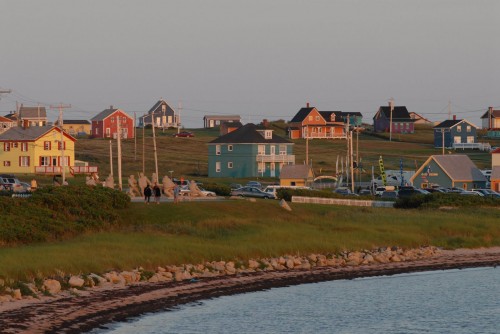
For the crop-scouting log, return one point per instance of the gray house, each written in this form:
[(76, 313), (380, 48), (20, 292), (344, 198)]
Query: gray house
[(453, 131), (452, 170), (161, 115)]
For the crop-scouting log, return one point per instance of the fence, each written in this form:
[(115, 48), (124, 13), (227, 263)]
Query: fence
[(339, 201)]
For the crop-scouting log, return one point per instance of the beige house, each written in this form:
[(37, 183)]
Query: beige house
[(78, 127), (296, 176)]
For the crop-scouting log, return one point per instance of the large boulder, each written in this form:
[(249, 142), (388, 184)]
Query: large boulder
[(76, 282), (52, 286)]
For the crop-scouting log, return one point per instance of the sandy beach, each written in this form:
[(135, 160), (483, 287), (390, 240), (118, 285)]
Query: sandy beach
[(93, 308)]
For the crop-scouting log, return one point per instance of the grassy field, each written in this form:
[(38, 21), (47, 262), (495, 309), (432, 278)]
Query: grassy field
[(188, 157), (192, 232)]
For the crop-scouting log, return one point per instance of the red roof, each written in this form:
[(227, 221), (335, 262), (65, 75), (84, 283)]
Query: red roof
[(496, 151)]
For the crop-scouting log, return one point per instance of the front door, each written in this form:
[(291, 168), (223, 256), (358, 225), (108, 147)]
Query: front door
[(273, 169)]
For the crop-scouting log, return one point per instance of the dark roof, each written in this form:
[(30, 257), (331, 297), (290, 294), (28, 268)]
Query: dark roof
[(158, 104), (6, 119), (248, 134), (30, 133), (327, 115), (352, 113), (398, 113), (74, 121), (448, 123), (494, 114), (301, 115), (32, 112), (13, 116), (232, 124)]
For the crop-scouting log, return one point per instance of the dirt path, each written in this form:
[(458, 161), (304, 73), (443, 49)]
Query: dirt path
[(96, 307)]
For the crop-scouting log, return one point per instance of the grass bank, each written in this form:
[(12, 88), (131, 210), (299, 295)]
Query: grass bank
[(192, 232)]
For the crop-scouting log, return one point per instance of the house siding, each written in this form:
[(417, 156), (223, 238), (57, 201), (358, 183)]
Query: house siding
[(438, 176), (452, 132)]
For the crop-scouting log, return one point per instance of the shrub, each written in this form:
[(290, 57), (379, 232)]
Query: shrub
[(219, 189), (437, 200), (287, 193)]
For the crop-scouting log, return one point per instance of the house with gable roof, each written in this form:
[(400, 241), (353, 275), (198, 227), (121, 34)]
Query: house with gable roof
[(454, 131), (105, 124), (211, 121), (296, 176), (162, 115), (451, 170), (249, 151), (311, 123), (38, 150), (399, 116), (32, 116), (491, 121), (6, 123)]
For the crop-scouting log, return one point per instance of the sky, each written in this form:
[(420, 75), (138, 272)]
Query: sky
[(258, 59)]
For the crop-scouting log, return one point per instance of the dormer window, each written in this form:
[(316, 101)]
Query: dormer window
[(268, 134), (332, 117)]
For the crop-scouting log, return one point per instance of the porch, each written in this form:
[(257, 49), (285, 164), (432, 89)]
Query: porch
[(73, 170)]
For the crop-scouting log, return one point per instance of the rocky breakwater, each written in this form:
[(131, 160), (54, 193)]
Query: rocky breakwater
[(77, 284)]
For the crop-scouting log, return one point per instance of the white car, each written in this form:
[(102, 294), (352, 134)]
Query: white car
[(185, 192)]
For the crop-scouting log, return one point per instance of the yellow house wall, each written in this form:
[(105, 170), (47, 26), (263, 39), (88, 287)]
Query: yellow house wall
[(74, 129), (495, 160), (35, 151), (288, 182)]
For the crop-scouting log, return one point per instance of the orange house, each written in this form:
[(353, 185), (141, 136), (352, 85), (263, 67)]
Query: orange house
[(311, 123), (495, 170)]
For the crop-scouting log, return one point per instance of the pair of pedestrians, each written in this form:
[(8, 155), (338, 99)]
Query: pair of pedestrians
[(148, 192)]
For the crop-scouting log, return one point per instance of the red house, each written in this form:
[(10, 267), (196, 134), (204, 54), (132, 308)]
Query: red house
[(105, 124)]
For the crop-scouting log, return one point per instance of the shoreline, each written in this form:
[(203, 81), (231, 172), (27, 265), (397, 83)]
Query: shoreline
[(97, 307)]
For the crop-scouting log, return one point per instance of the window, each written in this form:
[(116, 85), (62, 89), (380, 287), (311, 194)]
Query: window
[(108, 132), (44, 161), (59, 145), (273, 150), (14, 145), (230, 164), (229, 148), (261, 167), (470, 139), (261, 150), (217, 150), (46, 145), (217, 166), (459, 128), (6, 163), (319, 130), (6, 147), (112, 119), (469, 128), (268, 134), (317, 118), (64, 161), (24, 161), (282, 149), (310, 118), (457, 139), (96, 131)]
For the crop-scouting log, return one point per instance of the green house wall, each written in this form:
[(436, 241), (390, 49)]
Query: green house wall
[(244, 160), (438, 176)]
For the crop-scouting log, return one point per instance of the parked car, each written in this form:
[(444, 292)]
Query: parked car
[(344, 192), (10, 183), (234, 186), (185, 191), (254, 184), (184, 134), (408, 191), (487, 192), (379, 191), (470, 193), (252, 192), (26, 186), (365, 192), (435, 190)]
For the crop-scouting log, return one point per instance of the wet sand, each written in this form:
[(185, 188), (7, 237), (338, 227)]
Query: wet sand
[(96, 307)]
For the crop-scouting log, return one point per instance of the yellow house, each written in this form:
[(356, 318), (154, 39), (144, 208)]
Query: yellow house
[(36, 150), (76, 127), (296, 175)]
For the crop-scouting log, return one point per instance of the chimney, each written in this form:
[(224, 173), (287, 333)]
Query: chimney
[(454, 117), (307, 105), (26, 124)]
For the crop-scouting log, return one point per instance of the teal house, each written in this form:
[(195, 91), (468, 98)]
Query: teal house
[(249, 151)]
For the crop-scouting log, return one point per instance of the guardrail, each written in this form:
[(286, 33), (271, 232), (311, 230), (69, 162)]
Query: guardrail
[(341, 201), (480, 146)]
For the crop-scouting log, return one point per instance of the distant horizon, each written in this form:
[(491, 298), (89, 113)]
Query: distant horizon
[(258, 59)]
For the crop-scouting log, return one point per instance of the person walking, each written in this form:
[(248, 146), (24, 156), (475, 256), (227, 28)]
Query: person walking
[(157, 193), (177, 192), (147, 194)]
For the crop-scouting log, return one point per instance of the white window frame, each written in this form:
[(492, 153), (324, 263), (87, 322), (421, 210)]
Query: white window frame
[(273, 150), (217, 166), (45, 161), (6, 163), (230, 148), (469, 128), (218, 150), (24, 161), (268, 134), (261, 166), (47, 145), (261, 150), (229, 164), (457, 139), (470, 139), (108, 132), (459, 128), (282, 149)]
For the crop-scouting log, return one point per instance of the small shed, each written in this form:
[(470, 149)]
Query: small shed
[(452, 170), (296, 175)]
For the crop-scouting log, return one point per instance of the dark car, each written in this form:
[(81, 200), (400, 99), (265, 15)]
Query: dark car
[(252, 192), (183, 134), (405, 192), (344, 192), (389, 195), (365, 192), (255, 184)]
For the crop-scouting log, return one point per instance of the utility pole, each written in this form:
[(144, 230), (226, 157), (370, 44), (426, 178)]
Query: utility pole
[(179, 120), (119, 148), (351, 161), (143, 145), (111, 157), (155, 153), (135, 137), (449, 109), (61, 107), (391, 107)]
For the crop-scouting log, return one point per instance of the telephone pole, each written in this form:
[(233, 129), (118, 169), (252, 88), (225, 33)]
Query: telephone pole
[(179, 118), (119, 149), (61, 107), (391, 107)]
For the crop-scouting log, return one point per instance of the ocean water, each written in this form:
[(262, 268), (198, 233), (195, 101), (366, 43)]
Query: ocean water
[(452, 301)]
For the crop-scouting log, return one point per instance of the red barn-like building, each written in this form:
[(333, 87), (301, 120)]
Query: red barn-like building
[(105, 124)]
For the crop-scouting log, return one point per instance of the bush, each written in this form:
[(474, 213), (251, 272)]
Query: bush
[(219, 189), (437, 200), (287, 193)]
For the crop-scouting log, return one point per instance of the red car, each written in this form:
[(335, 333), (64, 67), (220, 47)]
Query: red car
[(183, 134)]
